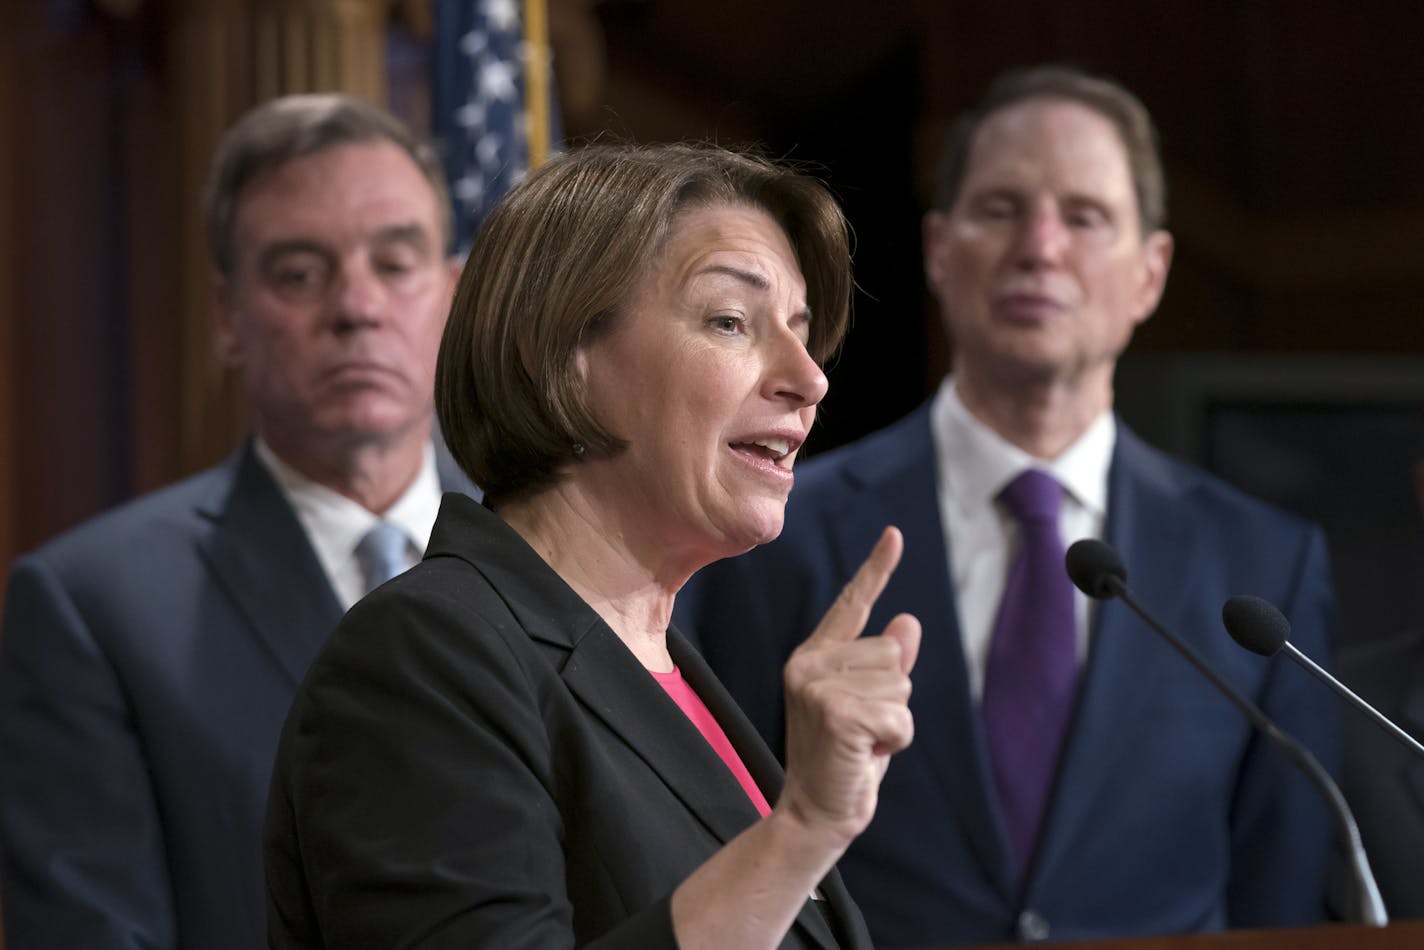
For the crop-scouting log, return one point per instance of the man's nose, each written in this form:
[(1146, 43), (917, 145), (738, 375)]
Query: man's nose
[(1043, 238), (360, 296)]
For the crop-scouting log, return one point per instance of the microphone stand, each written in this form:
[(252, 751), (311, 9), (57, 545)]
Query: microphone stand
[(1349, 695), (1258, 625), (1369, 904)]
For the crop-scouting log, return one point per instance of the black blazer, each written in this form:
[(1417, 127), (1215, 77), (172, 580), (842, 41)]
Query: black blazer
[(476, 759)]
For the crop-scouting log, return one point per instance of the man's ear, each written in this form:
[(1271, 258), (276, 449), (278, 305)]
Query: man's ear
[(932, 234), (227, 345), (1152, 279)]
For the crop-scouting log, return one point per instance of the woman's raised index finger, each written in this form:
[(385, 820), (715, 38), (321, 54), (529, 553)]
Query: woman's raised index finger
[(847, 616)]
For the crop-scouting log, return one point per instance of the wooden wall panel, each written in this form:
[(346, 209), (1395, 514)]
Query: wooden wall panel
[(9, 306), (67, 327)]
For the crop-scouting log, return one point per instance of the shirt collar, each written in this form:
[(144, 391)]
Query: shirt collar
[(977, 462), (335, 523)]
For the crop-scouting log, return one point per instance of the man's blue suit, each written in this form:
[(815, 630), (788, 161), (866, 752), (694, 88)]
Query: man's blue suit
[(1169, 814), (146, 666)]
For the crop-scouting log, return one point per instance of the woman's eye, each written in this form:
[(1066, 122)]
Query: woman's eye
[(727, 324)]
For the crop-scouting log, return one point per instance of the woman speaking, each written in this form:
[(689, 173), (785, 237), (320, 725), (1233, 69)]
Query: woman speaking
[(508, 746)]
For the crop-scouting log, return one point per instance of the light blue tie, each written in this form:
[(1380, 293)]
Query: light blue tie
[(382, 554)]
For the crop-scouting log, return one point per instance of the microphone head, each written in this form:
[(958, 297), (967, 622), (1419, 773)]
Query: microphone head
[(1095, 568), (1256, 624)]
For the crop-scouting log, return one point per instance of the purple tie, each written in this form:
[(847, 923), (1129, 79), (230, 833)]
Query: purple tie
[(1032, 671)]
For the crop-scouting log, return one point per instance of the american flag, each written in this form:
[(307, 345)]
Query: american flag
[(494, 114)]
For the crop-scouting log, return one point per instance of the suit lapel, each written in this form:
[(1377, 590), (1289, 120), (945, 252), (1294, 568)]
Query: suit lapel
[(260, 554), (262, 559), (1150, 527), (895, 483)]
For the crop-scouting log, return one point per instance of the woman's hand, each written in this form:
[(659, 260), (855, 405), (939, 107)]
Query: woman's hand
[(847, 713), (847, 706)]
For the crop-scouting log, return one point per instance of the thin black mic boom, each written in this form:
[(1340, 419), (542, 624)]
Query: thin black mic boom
[(1097, 571), (1260, 627)]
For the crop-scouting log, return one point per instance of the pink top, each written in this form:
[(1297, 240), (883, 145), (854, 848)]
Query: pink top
[(693, 707)]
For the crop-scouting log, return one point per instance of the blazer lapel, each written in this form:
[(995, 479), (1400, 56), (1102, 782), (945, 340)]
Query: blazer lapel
[(600, 670), (755, 755), (767, 774), (596, 665), (1150, 527), (260, 556), (618, 690), (898, 486), (615, 686)]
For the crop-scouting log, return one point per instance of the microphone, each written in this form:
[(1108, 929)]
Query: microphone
[(1097, 571), (1258, 626)]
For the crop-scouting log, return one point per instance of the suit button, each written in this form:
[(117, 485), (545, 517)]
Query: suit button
[(1033, 926)]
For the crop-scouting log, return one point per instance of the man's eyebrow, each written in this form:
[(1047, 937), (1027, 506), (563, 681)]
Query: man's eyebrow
[(1079, 199), (997, 191), (410, 233), (279, 249)]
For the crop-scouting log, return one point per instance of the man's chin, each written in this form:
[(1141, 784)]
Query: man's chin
[(374, 424)]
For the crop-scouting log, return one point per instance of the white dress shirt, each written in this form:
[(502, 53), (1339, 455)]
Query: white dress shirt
[(972, 465), (335, 524)]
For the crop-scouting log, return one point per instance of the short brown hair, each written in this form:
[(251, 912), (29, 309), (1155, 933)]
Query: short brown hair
[(553, 265), (291, 127), (1104, 96)]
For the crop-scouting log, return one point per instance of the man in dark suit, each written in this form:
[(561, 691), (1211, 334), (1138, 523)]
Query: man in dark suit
[(1384, 781), (149, 657), (1071, 777)]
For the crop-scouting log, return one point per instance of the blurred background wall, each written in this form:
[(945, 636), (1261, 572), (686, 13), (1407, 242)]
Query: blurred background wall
[(1287, 353)]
